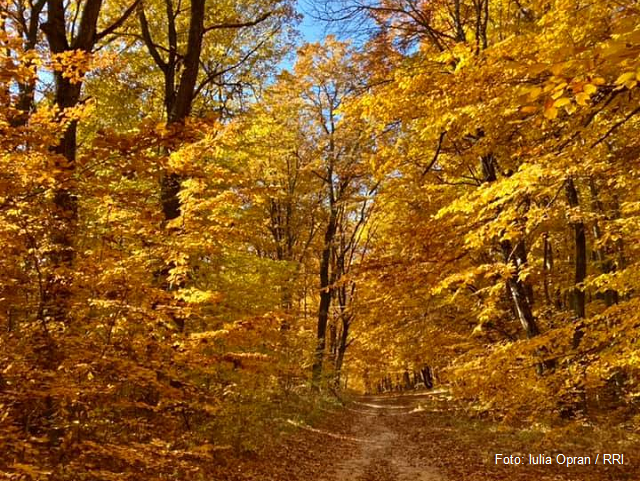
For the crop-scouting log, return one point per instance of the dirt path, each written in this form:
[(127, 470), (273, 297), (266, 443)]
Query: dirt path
[(427, 437), (378, 454), (424, 437)]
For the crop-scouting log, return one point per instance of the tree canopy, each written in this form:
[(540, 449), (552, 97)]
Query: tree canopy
[(196, 239)]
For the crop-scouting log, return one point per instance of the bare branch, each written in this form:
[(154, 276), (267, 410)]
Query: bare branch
[(148, 40), (118, 23), (615, 126), (436, 155), (231, 25)]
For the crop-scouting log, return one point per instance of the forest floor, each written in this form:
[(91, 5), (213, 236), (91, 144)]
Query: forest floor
[(424, 437)]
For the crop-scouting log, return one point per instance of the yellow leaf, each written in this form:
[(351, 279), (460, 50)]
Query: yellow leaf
[(529, 109), (534, 93), (560, 86), (537, 68), (551, 113), (582, 98), (625, 77), (590, 89), (556, 69), (561, 102)]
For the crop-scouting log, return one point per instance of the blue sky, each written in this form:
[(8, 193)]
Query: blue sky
[(312, 30)]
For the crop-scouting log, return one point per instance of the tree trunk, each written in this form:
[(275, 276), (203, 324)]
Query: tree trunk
[(407, 381), (427, 377), (342, 344), (576, 399), (181, 101), (326, 292), (333, 342), (65, 212), (458, 22), (547, 266), (580, 256), (521, 293), (191, 64), (177, 101), (26, 91)]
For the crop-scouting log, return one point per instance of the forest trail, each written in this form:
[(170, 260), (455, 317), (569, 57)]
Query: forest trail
[(379, 454), (422, 436)]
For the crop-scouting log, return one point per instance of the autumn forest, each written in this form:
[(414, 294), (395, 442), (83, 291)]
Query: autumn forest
[(228, 253)]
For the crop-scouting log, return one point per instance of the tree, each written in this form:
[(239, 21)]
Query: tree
[(71, 46), (328, 75), (186, 73)]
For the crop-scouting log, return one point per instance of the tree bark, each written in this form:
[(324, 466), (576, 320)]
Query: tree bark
[(407, 381), (457, 21), (333, 342), (427, 377), (342, 344), (547, 266), (191, 64), (521, 293), (580, 262), (326, 293), (66, 95)]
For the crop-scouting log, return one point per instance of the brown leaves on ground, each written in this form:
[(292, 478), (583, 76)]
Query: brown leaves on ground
[(424, 438)]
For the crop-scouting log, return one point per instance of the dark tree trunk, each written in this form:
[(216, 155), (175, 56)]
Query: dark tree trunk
[(547, 266), (427, 377), (323, 315), (458, 22), (576, 399), (407, 381), (326, 291), (521, 293), (488, 166), (180, 102), (333, 342), (66, 95), (482, 21), (580, 259), (342, 346), (191, 64)]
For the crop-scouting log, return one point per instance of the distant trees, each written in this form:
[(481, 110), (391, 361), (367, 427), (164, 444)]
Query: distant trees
[(317, 168)]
